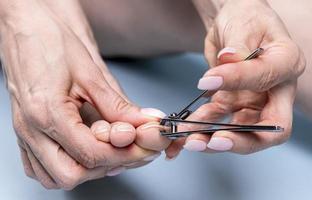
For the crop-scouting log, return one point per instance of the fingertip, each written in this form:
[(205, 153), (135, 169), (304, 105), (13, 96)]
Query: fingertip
[(174, 149), (101, 130), (122, 134), (148, 136)]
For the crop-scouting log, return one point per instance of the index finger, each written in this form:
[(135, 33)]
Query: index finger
[(281, 61)]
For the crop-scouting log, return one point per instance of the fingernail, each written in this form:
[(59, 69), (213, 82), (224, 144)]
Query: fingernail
[(220, 144), (116, 171), (152, 112), (131, 164), (152, 157), (170, 159), (124, 128), (151, 125), (210, 83), (226, 50), (101, 129), (195, 145)]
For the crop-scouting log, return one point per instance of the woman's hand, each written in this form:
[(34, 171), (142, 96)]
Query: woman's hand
[(122, 135), (260, 91), (51, 71)]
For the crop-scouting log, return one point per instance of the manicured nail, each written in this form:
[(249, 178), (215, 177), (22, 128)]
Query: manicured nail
[(124, 128), (220, 144), (195, 145), (116, 171), (171, 159), (210, 83), (152, 157), (226, 50), (152, 112)]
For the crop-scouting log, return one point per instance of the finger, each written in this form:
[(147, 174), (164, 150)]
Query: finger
[(246, 116), (276, 65), (29, 171), (211, 112), (101, 130), (79, 141), (148, 137), (122, 134), (43, 176), (211, 47), (278, 111), (64, 170), (112, 106), (233, 101)]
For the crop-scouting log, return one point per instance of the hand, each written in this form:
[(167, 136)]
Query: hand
[(50, 74), (121, 135), (260, 91)]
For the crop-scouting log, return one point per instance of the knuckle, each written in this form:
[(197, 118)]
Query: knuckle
[(47, 183), (237, 80), (69, 180), (267, 79), (87, 158), (298, 60), (121, 105), (36, 110), (29, 173), (301, 66), (251, 148), (18, 126)]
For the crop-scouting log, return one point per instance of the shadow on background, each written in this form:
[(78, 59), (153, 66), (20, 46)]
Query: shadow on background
[(107, 188)]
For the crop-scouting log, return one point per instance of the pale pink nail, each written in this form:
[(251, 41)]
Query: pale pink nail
[(152, 157), (210, 83), (152, 112), (195, 145), (226, 50), (116, 171), (220, 144)]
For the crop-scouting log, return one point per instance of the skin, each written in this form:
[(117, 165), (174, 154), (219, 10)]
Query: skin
[(258, 91), (295, 22), (91, 154), (53, 67)]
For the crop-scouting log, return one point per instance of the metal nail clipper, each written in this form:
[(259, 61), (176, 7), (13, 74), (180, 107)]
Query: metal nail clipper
[(171, 123)]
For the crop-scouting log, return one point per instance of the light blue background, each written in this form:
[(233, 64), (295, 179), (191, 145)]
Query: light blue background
[(282, 172)]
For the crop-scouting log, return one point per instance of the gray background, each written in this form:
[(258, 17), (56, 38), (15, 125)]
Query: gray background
[(282, 172)]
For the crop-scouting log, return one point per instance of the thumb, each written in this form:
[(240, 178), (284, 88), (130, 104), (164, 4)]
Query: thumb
[(232, 54)]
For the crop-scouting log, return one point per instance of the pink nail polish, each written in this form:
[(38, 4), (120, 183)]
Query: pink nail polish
[(220, 144), (152, 112), (152, 157), (116, 171), (210, 83), (226, 50), (195, 145)]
